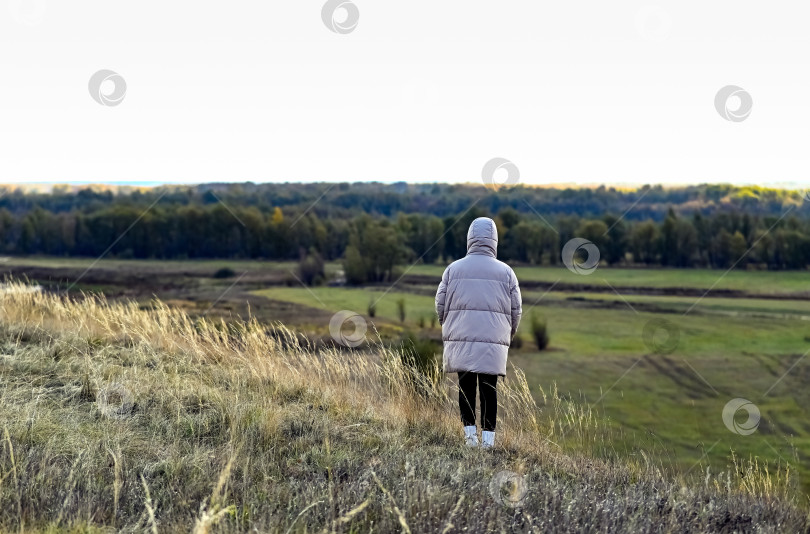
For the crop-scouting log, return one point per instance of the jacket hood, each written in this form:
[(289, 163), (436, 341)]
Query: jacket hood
[(482, 237)]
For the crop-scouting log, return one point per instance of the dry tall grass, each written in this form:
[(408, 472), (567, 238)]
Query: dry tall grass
[(119, 418)]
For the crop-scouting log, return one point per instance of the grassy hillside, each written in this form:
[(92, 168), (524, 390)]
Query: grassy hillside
[(117, 417)]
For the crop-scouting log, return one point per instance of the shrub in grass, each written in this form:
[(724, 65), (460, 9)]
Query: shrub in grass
[(401, 309), (311, 268), (225, 272), (539, 331)]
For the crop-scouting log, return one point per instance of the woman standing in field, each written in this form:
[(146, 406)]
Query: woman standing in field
[(479, 308)]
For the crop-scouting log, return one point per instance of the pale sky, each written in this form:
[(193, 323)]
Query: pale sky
[(619, 92)]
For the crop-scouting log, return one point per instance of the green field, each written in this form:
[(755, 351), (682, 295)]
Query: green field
[(165, 265), (665, 405), (764, 282)]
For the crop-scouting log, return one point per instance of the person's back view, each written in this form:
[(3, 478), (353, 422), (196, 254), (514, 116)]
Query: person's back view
[(479, 308)]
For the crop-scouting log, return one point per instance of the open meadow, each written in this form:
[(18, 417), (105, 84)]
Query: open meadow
[(665, 401), (119, 417), (656, 354)]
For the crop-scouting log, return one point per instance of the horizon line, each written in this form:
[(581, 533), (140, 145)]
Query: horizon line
[(788, 185)]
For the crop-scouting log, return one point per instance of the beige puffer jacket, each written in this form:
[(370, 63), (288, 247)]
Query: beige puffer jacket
[(479, 305)]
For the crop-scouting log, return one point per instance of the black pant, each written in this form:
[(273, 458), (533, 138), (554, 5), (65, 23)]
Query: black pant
[(487, 384)]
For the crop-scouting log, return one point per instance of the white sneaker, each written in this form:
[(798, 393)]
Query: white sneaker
[(471, 435), (488, 439)]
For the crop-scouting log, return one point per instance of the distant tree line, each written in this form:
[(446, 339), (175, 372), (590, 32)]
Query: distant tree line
[(344, 200), (190, 223)]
